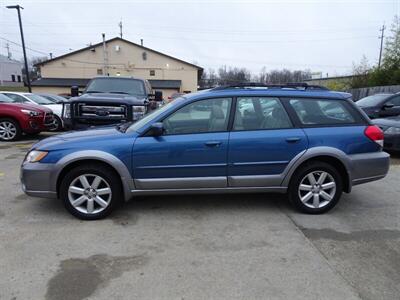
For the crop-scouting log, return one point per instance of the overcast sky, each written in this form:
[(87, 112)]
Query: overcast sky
[(322, 35)]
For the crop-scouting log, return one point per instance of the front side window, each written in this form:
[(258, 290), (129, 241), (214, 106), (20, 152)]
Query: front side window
[(322, 112), (16, 98), (394, 101), (254, 113), (209, 115)]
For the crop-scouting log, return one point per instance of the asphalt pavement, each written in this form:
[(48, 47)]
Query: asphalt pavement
[(247, 246)]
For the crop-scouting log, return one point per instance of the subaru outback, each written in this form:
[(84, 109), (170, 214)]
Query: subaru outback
[(306, 141)]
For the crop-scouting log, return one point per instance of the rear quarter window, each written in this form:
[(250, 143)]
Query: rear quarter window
[(324, 112)]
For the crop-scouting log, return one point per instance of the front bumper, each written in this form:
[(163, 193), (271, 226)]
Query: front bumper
[(37, 180), (366, 167), (392, 142)]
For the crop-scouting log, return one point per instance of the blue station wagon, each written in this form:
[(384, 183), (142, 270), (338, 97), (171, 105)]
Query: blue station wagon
[(306, 141)]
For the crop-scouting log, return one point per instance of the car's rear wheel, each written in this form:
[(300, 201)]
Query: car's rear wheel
[(9, 130), (315, 188), (91, 191)]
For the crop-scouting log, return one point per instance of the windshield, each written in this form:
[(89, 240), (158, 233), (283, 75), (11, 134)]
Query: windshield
[(116, 85), (38, 99), (371, 100), (154, 114), (5, 99)]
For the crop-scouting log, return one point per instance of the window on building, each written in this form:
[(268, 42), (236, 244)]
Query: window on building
[(144, 56), (13, 78), (99, 71), (152, 72), (19, 78)]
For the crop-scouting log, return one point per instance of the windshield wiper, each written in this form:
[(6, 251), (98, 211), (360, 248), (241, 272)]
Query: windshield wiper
[(124, 126), (94, 92)]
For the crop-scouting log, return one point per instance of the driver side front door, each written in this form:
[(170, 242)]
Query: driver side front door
[(191, 154)]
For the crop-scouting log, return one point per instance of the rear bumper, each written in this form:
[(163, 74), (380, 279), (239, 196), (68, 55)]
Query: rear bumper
[(36, 180), (366, 167)]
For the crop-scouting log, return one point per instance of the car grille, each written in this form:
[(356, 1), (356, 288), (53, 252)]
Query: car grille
[(109, 112)]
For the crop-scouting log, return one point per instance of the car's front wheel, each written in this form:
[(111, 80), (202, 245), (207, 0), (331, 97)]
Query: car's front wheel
[(90, 191), (315, 188), (9, 130), (57, 124)]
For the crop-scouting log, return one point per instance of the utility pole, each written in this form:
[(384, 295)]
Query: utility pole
[(120, 28), (105, 67), (18, 8), (382, 30), (8, 51)]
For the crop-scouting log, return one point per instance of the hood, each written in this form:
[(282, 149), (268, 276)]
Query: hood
[(33, 107), (388, 122), (107, 97), (55, 108), (81, 139)]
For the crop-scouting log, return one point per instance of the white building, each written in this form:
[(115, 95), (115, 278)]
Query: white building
[(10, 72)]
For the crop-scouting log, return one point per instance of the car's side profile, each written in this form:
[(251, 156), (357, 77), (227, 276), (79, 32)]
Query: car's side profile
[(17, 119), (380, 105), (311, 143), (30, 98)]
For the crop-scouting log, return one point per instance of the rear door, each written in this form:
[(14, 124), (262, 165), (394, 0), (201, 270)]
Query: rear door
[(262, 142), (391, 107)]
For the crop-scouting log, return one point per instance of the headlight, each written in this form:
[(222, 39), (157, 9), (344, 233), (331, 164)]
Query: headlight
[(138, 112), (393, 130), (30, 113), (67, 111), (35, 156)]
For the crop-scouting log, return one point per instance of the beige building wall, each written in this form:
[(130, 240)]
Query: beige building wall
[(124, 59), (51, 90)]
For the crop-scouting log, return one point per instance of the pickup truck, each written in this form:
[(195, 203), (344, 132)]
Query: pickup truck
[(109, 100)]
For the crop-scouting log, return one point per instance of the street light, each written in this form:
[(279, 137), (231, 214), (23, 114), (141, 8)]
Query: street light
[(18, 8)]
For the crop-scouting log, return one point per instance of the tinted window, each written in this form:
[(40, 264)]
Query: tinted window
[(39, 99), (395, 101), (209, 115), (371, 100), (253, 113), (322, 112), (16, 98), (5, 99), (117, 85)]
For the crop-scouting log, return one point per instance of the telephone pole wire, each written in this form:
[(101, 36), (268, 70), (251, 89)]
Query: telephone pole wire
[(382, 30)]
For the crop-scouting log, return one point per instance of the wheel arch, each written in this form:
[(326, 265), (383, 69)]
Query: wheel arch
[(332, 156), (97, 157)]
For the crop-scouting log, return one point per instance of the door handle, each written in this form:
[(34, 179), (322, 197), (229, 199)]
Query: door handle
[(213, 143), (293, 139)]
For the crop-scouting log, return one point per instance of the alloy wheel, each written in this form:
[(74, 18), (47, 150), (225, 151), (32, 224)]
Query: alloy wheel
[(8, 131), (317, 189), (89, 194)]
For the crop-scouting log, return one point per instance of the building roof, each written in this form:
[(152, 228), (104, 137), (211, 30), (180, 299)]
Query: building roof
[(61, 82), (200, 69), (82, 82)]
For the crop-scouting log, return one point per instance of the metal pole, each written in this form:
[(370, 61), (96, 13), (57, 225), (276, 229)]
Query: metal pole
[(104, 56), (18, 8), (380, 51)]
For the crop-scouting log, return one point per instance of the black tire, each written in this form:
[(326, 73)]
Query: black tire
[(18, 132), (106, 173), (318, 167), (57, 123)]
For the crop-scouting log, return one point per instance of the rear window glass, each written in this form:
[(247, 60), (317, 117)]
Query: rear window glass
[(322, 112)]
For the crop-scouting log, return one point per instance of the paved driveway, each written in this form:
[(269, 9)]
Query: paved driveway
[(249, 246)]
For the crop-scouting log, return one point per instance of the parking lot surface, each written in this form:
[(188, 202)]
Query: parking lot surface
[(247, 246)]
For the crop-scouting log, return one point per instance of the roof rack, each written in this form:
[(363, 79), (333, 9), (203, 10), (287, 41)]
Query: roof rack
[(294, 86)]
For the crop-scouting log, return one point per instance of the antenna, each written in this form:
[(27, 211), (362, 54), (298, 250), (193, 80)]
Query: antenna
[(120, 28), (8, 50)]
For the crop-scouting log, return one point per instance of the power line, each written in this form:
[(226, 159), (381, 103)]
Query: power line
[(17, 44)]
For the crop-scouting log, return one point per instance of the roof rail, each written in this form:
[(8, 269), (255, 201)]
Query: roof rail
[(294, 85)]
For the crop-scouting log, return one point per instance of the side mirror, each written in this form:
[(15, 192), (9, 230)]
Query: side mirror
[(388, 106), (158, 96), (74, 91), (156, 129)]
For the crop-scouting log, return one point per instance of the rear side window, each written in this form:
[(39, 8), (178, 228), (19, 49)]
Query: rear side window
[(255, 113), (322, 112)]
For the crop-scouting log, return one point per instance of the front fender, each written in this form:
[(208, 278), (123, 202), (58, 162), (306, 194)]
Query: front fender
[(113, 161)]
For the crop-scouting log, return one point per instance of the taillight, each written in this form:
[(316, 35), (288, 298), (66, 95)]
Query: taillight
[(374, 133)]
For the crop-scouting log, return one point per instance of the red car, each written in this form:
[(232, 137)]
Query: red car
[(18, 118)]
